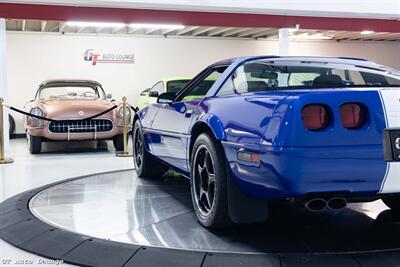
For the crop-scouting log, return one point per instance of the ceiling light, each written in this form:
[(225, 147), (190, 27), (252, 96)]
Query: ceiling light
[(156, 26), (315, 36), (95, 24), (367, 32)]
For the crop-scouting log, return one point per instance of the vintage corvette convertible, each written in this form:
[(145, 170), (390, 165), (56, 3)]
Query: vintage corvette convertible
[(318, 131), (68, 102)]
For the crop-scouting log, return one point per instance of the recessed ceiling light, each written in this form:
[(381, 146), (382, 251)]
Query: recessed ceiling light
[(156, 26), (367, 32), (95, 24)]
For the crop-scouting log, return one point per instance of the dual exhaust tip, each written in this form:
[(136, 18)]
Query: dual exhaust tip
[(320, 204)]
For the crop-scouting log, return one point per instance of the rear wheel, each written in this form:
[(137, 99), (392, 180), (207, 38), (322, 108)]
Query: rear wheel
[(209, 182), (34, 144), (393, 202), (145, 164)]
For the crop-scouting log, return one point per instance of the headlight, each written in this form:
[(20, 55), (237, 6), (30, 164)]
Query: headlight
[(127, 112), (37, 112)]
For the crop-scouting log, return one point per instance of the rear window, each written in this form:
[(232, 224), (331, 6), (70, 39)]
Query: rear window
[(261, 75)]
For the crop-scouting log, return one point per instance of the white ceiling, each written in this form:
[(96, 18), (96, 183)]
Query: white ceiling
[(385, 9), (194, 31)]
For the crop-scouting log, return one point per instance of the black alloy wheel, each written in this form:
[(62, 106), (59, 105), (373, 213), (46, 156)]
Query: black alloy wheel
[(208, 182), (146, 165), (204, 180), (138, 151)]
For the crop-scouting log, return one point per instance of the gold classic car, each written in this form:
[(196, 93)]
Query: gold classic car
[(68, 103)]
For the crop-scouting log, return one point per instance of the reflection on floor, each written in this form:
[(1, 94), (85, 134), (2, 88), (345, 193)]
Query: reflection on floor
[(58, 161), (158, 212)]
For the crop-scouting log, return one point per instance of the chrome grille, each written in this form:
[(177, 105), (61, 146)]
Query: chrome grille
[(79, 126)]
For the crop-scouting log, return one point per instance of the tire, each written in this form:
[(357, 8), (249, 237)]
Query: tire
[(393, 202), (11, 122), (34, 144), (210, 201), (146, 166), (118, 142)]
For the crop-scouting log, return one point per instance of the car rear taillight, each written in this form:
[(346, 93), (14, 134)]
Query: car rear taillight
[(352, 115), (315, 117)]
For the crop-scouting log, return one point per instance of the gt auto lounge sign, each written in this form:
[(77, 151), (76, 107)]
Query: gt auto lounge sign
[(111, 58)]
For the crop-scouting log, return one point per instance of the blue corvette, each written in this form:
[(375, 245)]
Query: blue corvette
[(318, 131)]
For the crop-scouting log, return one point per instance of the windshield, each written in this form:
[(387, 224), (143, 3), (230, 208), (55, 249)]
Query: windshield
[(176, 86), (262, 75), (69, 92)]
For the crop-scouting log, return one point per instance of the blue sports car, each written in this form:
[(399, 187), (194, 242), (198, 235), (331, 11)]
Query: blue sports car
[(247, 131)]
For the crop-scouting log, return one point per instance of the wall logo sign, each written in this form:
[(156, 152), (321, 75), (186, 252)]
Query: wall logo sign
[(114, 58)]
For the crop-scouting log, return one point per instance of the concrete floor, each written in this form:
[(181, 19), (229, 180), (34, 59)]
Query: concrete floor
[(58, 161)]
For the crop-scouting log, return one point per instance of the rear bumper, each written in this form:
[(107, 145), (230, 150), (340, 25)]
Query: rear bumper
[(296, 172)]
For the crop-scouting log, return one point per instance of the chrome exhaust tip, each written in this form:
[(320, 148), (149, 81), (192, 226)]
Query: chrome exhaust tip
[(316, 205), (337, 203)]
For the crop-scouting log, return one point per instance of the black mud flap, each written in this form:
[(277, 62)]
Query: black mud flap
[(242, 208)]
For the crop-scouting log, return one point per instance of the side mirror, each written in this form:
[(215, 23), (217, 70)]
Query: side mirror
[(145, 92), (166, 98), (153, 94), (109, 96)]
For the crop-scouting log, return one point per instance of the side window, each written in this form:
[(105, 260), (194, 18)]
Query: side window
[(201, 88), (241, 81), (158, 87), (301, 79), (391, 80), (374, 79), (227, 88), (356, 77), (340, 72)]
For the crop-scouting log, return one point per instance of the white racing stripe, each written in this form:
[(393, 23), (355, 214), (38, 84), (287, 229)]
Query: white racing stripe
[(391, 105)]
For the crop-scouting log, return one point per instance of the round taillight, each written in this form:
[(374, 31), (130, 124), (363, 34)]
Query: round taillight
[(352, 115), (315, 117)]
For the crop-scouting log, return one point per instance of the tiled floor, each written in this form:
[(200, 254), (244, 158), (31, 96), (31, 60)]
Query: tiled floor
[(59, 161)]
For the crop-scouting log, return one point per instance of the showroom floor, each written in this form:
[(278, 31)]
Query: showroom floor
[(153, 219), (31, 171), (144, 211)]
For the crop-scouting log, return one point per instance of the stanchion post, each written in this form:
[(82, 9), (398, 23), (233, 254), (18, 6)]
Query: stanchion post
[(124, 153), (3, 160)]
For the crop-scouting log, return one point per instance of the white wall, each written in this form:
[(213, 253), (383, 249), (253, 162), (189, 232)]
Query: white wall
[(33, 58)]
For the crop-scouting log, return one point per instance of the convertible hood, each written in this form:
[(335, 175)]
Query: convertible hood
[(70, 108)]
